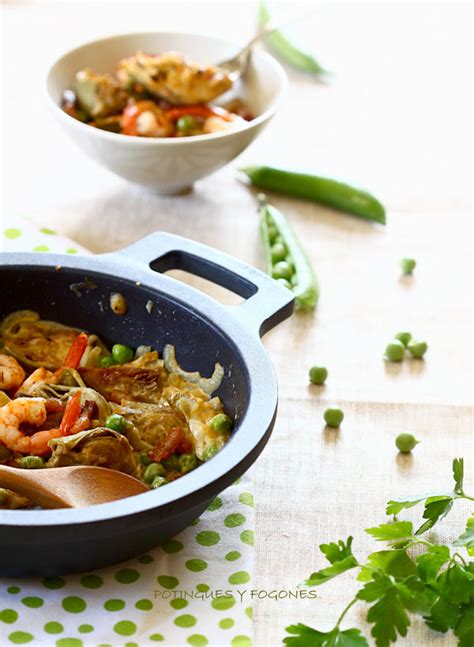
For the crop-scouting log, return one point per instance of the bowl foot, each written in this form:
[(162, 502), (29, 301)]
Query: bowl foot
[(179, 190)]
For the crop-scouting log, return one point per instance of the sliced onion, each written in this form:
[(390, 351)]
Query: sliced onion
[(206, 384)]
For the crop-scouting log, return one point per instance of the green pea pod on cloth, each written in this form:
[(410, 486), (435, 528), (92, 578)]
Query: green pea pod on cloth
[(333, 193), (286, 260), (286, 49)]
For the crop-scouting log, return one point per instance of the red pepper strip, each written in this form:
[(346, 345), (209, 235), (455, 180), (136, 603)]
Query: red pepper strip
[(198, 111), (71, 414), (175, 442), (76, 351)]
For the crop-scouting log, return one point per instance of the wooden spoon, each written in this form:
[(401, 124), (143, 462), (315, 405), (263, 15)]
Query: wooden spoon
[(70, 487)]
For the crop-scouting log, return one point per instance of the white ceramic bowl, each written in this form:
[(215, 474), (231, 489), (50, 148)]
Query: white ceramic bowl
[(168, 165)]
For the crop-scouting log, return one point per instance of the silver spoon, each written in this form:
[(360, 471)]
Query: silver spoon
[(237, 66)]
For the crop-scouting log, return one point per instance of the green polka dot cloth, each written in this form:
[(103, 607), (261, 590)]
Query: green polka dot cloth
[(21, 235), (195, 590)]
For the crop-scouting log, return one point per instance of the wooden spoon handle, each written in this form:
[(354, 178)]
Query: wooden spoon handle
[(28, 483)]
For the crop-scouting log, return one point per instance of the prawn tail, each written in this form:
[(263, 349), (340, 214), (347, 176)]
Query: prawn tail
[(39, 441)]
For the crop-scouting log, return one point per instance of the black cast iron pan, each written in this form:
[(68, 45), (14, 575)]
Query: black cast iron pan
[(49, 542)]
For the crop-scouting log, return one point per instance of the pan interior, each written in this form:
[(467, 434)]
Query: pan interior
[(154, 318)]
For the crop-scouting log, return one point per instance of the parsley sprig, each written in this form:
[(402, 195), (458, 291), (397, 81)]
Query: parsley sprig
[(437, 583)]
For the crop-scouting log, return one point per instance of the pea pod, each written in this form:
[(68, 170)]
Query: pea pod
[(276, 230), (286, 49), (333, 193)]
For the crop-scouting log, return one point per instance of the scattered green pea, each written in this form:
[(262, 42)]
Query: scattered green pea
[(122, 354), (187, 462), (279, 252), (407, 265), (158, 481), (220, 423), (145, 459), (282, 270), (417, 348), (406, 442), (186, 123), (333, 417), (404, 337), (31, 462), (209, 452), (152, 471), (107, 361), (318, 374), (116, 422), (395, 351)]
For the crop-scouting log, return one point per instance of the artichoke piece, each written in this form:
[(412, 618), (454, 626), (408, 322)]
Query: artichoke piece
[(100, 447), (10, 500), (113, 123), (173, 78), (99, 94), (153, 422), (37, 342), (124, 382)]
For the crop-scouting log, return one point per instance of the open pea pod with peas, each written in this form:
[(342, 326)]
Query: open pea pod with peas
[(287, 261)]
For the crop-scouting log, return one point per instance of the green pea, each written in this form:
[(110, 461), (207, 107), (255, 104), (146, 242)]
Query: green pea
[(5, 453), (31, 462), (122, 354), (187, 462), (417, 348), (152, 471), (172, 463), (286, 283), (209, 452), (272, 232), (158, 481), (395, 351), (144, 459), (221, 423), (107, 361), (406, 442), (282, 270), (407, 265), (333, 417), (279, 252), (116, 423), (318, 374), (404, 337), (187, 123)]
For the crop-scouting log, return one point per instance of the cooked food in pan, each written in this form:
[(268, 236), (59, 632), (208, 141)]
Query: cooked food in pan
[(65, 399), (155, 96)]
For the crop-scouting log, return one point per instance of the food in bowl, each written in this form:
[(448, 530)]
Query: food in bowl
[(66, 399), (150, 95)]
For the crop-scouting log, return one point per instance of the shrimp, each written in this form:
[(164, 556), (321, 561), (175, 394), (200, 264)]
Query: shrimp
[(25, 410), (39, 375), (11, 373)]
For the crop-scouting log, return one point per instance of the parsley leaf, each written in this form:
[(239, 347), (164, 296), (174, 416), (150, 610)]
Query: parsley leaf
[(428, 564), (444, 615), (304, 636), (392, 562), (436, 508), (467, 538), (391, 531), (465, 627), (458, 475), (341, 558), (388, 615)]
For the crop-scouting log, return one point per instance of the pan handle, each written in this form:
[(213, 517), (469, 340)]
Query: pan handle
[(267, 302)]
